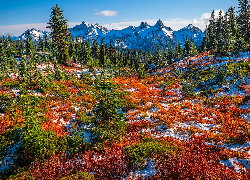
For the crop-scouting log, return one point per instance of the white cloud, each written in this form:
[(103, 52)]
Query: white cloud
[(194, 21), (175, 24), (72, 24), (204, 19), (17, 30), (106, 13), (121, 25)]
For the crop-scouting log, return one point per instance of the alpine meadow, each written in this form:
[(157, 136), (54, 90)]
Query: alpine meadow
[(142, 102)]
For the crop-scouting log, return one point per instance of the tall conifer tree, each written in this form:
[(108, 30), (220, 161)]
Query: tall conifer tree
[(102, 54), (59, 33), (244, 19), (28, 43)]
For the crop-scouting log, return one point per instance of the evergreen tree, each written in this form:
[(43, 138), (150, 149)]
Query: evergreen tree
[(170, 54), (240, 45), (21, 48), (122, 59), (231, 30), (141, 69), (232, 22), (72, 49), (78, 48), (14, 50), (95, 49), (3, 55), (244, 19), (41, 45), (116, 58), (187, 47), (28, 43), (220, 45), (205, 43), (47, 43), (87, 54), (108, 123), (159, 56), (166, 54), (102, 54), (227, 34), (194, 50), (82, 50), (211, 33), (219, 24), (178, 53), (110, 50), (59, 33)]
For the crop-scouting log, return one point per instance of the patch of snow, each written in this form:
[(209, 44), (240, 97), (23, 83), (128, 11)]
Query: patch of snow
[(145, 173), (245, 106), (201, 126), (154, 109), (86, 133), (15, 91), (246, 116), (84, 71), (131, 89), (8, 161), (206, 118), (76, 108), (172, 132), (233, 162), (238, 147), (205, 127)]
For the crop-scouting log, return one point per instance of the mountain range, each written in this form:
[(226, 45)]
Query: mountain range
[(143, 37)]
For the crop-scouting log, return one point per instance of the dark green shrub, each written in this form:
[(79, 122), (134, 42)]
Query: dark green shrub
[(138, 154), (108, 121), (79, 175)]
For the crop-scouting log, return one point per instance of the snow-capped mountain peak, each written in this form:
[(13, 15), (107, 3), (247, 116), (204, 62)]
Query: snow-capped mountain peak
[(189, 31), (34, 34), (144, 25), (88, 30), (190, 26), (143, 37), (86, 24), (193, 28), (159, 24)]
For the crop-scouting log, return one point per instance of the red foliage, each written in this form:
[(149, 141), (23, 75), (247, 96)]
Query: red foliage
[(109, 164), (195, 161)]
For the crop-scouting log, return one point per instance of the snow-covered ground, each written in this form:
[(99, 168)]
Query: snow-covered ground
[(145, 173), (236, 163)]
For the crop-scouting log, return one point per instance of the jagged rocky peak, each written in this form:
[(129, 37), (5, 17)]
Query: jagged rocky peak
[(141, 37), (32, 29), (34, 34), (96, 25), (85, 24), (168, 28), (130, 27), (192, 27), (159, 24), (144, 25), (82, 26)]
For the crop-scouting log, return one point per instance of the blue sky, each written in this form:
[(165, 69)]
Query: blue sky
[(17, 16)]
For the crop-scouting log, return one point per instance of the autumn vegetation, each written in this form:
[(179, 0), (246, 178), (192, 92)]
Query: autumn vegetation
[(83, 117)]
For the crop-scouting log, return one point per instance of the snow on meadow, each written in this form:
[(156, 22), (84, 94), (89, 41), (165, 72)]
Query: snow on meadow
[(160, 109), (171, 115)]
